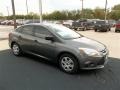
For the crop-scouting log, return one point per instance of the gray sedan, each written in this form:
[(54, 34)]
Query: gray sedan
[(59, 44)]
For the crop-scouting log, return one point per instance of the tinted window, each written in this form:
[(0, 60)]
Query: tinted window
[(118, 22), (19, 29), (27, 30), (41, 32)]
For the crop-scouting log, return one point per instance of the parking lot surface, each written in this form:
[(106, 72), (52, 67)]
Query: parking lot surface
[(33, 73)]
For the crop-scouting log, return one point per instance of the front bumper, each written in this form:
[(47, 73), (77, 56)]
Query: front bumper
[(94, 62)]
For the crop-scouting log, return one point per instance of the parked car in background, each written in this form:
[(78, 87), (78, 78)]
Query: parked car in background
[(9, 22), (70, 50), (102, 25), (88, 25), (1, 21), (32, 21), (117, 26), (83, 25), (112, 23), (68, 23), (4, 22), (78, 25)]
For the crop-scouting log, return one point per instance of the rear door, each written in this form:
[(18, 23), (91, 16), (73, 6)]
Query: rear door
[(27, 38)]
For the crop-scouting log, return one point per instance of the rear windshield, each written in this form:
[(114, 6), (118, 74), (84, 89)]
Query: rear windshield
[(100, 22), (118, 22)]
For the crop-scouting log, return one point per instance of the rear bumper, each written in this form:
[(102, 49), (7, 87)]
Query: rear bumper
[(102, 28), (117, 29)]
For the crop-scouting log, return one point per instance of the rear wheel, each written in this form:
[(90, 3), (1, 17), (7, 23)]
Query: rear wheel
[(16, 49), (68, 63), (85, 29)]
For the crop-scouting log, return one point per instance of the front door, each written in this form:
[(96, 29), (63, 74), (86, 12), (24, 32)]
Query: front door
[(44, 47)]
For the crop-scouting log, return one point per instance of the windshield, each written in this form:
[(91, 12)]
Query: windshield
[(65, 32)]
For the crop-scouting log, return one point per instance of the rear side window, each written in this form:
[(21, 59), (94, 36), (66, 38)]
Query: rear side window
[(27, 30), (41, 32)]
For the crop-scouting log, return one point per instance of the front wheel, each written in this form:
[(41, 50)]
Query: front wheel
[(16, 49), (68, 63)]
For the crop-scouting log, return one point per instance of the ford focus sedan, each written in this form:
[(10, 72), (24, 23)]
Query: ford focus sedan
[(67, 48)]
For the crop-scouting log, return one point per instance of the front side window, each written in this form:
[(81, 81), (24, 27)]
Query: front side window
[(27, 30), (41, 32)]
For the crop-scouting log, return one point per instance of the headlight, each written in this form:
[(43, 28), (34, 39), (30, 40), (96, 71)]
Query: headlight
[(90, 52)]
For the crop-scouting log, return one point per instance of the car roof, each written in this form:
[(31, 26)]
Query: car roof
[(42, 24)]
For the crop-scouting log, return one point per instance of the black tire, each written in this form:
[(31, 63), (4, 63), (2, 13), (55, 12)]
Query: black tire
[(84, 29), (106, 30), (95, 30), (72, 60), (116, 31), (75, 29), (18, 51)]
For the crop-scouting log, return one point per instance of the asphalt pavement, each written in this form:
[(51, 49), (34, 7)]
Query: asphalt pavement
[(32, 73)]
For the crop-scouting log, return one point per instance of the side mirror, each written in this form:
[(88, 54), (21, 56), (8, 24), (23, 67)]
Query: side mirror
[(49, 38)]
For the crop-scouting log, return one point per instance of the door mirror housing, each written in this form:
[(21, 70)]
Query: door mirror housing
[(49, 38)]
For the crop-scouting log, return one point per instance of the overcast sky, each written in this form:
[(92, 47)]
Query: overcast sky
[(51, 5)]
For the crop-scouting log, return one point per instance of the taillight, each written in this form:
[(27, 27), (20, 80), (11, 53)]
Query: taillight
[(117, 25)]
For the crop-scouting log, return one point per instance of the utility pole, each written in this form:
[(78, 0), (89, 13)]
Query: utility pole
[(82, 13), (106, 10), (40, 10), (27, 7), (14, 17), (7, 11)]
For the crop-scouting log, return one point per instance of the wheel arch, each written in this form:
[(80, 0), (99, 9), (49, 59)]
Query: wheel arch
[(65, 52)]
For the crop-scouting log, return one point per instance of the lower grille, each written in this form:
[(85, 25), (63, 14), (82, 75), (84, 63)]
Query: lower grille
[(101, 62)]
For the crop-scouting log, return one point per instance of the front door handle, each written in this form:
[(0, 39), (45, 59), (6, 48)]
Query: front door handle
[(36, 41), (19, 36)]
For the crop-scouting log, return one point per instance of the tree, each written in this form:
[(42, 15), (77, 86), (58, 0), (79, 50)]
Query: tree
[(99, 13), (88, 13), (115, 12), (1, 16)]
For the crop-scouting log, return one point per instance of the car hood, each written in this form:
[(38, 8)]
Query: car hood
[(85, 42)]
